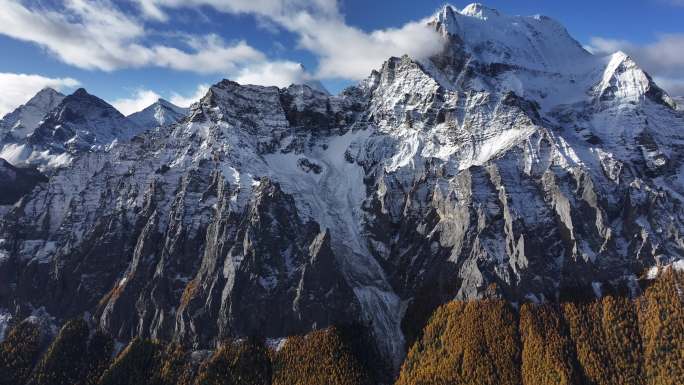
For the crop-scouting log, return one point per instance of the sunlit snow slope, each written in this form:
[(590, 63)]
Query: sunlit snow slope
[(514, 163)]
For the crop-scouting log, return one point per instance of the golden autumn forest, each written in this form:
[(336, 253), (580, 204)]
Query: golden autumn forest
[(613, 340)]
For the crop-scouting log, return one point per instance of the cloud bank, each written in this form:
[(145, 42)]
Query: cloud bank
[(96, 35), (99, 35), (343, 51)]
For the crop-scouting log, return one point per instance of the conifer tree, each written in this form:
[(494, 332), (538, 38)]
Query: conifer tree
[(175, 367), (137, 364), (18, 353), (466, 343), (661, 323), (548, 355), (64, 361), (320, 357), (98, 359), (622, 340), (243, 362)]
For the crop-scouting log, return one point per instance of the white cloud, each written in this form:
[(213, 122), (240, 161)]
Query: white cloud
[(674, 87), (150, 9), (273, 9), (343, 51), (86, 35), (97, 35), (19, 88), (663, 58), (140, 100), (143, 98), (187, 101), (211, 56), (347, 52), (280, 74)]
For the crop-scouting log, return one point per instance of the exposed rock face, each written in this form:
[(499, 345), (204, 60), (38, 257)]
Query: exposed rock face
[(17, 182), (513, 158)]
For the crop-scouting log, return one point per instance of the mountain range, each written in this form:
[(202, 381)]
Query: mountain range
[(513, 164), (51, 129)]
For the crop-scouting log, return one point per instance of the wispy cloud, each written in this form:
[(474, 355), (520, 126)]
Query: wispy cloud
[(280, 74), (19, 88), (272, 9), (104, 35), (343, 50), (663, 58), (347, 52), (98, 35), (187, 100), (140, 100)]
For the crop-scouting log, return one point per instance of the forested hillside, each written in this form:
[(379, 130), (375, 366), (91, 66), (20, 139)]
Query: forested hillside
[(613, 340)]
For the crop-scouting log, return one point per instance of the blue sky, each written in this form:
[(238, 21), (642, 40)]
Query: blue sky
[(131, 52)]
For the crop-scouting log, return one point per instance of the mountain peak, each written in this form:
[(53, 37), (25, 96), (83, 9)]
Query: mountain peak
[(621, 56), (47, 98), (525, 164), (81, 92), (25, 119), (446, 19), (82, 121), (160, 113), (532, 42), (480, 11), (49, 91), (625, 80), (164, 102)]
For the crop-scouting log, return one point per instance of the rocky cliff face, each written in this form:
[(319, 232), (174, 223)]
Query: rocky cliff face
[(17, 182), (514, 158)]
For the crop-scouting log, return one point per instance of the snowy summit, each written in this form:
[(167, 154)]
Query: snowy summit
[(511, 163)]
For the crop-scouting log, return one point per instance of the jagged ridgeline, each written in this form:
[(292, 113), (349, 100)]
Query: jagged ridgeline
[(608, 341), (513, 160)]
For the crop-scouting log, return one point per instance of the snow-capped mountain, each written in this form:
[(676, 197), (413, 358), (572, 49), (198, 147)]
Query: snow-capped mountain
[(21, 122), (72, 125), (513, 162), (160, 113)]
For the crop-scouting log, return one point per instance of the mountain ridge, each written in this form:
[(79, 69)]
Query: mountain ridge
[(429, 181), (51, 129)]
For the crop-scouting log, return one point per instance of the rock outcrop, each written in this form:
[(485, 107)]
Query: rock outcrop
[(514, 164)]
